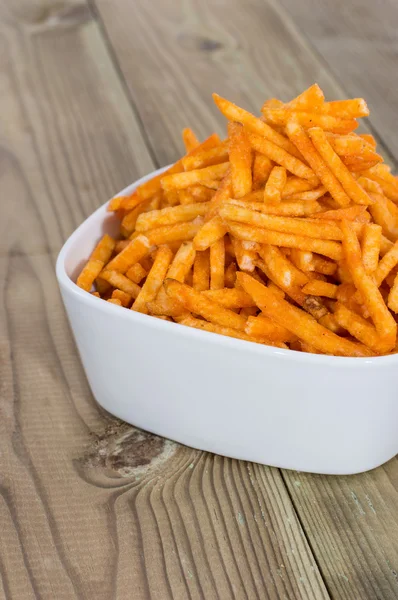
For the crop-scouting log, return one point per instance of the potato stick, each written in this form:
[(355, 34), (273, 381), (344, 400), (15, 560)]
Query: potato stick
[(121, 282), (314, 229), (393, 296), (115, 204), (136, 273), (388, 183), (230, 298), (283, 158), (385, 245), (223, 194), (274, 186), (308, 196), (262, 167), (299, 322), (212, 328), (133, 253), (360, 166), (280, 116), (207, 158), (200, 193), (346, 109), (201, 271), (104, 249), (151, 187), (115, 301), (209, 233), (89, 273), (369, 139), (130, 202), (370, 246), (276, 289), (299, 137), (320, 288), (198, 304), (171, 215), (386, 264), (303, 260), (296, 185), (172, 199), (230, 275), (164, 305), (288, 273), (382, 215), (328, 248), (129, 221), (287, 208), (244, 257), (349, 214), (330, 322), (311, 99), (323, 265), (190, 140), (383, 320), (175, 233), (349, 145), (262, 326), (337, 167), (125, 299), (182, 262), (154, 280), (179, 181), (217, 265), (358, 327), (240, 159), (253, 124), (369, 185), (250, 311), (185, 197)]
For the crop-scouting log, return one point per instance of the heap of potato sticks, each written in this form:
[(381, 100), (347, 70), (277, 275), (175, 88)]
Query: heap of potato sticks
[(285, 233)]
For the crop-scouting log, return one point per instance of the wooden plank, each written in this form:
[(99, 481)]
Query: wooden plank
[(357, 42), (90, 507), (352, 523), (175, 54)]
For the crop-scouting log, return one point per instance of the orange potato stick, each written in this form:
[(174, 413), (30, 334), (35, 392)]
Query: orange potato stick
[(164, 305), (206, 158), (382, 215), (230, 275), (121, 282), (358, 327), (200, 193), (209, 233), (125, 299), (359, 166), (115, 204), (274, 186), (386, 264), (175, 233), (330, 322), (280, 116), (190, 140), (217, 264), (393, 296), (253, 124), (311, 99), (89, 273), (299, 137), (244, 257), (223, 194), (130, 219), (286, 209), (369, 185), (133, 253), (328, 248), (337, 167), (136, 273), (116, 301), (352, 147), (346, 109), (198, 304), (283, 158), (250, 311), (170, 215), (262, 326), (298, 322), (314, 229), (179, 181), (308, 196), (104, 249), (182, 262), (154, 280), (385, 246), (320, 288), (275, 289), (302, 259), (201, 271), (369, 139), (240, 159), (213, 328), (373, 300), (171, 198), (262, 167), (288, 274), (323, 265), (296, 185), (185, 197), (370, 246), (230, 298), (349, 214)]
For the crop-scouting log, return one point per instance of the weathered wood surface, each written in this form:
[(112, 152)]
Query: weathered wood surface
[(90, 507)]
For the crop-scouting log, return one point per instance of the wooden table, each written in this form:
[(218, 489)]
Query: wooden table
[(93, 95)]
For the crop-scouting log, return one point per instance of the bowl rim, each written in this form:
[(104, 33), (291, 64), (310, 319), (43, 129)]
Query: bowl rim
[(67, 283)]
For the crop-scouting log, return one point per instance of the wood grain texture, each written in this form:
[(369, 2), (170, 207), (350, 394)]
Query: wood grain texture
[(358, 42), (91, 507)]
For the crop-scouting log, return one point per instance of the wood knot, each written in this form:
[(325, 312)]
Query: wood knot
[(195, 42), (124, 450)]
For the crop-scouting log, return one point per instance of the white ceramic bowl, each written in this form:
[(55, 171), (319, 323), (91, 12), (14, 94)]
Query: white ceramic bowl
[(278, 407)]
